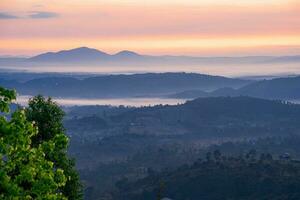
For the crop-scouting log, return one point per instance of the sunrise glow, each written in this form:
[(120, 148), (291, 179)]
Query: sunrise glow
[(190, 27)]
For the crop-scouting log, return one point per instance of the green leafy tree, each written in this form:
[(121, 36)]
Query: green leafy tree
[(48, 117), (25, 172)]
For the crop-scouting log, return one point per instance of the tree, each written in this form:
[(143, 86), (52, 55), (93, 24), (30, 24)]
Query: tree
[(48, 117), (160, 190), (25, 173)]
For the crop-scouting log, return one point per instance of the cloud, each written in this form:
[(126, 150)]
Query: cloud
[(32, 15), (42, 15), (4, 15)]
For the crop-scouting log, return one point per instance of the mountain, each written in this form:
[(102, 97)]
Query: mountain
[(277, 88), (139, 141), (126, 55), (213, 118), (193, 94), (85, 55), (168, 85), (216, 116), (82, 54), (220, 177), (149, 84), (189, 94), (88, 55)]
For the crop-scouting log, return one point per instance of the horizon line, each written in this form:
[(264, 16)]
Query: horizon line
[(124, 50)]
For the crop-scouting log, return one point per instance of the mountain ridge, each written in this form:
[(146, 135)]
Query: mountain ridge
[(278, 88), (123, 85), (90, 55)]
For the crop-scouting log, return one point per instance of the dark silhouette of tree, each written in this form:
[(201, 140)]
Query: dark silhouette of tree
[(160, 190)]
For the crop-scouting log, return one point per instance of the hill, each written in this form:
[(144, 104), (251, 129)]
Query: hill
[(115, 86), (220, 177), (89, 55), (82, 54), (93, 57), (204, 118), (277, 88), (111, 143)]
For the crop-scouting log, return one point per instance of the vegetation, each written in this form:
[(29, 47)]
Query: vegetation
[(103, 177), (110, 86), (48, 117), (113, 144), (217, 177), (151, 152), (277, 88), (204, 117), (25, 170)]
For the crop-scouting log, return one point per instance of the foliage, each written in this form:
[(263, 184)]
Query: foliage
[(48, 117), (25, 172), (205, 117), (246, 177)]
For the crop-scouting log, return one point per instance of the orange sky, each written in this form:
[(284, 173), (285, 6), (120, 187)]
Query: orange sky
[(178, 27)]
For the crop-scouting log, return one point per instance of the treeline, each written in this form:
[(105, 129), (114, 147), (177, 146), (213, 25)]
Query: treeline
[(103, 178), (118, 86), (204, 117), (216, 177)]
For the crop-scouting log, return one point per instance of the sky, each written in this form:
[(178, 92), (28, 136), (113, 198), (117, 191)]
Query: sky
[(155, 27)]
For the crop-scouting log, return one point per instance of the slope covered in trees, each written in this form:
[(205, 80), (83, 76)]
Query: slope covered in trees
[(148, 84), (205, 117), (221, 177), (277, 88)]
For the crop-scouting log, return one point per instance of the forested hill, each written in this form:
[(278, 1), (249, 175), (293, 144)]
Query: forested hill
[(278, 88), (214, 116), (122, 85), (220, 177), (111, 143)]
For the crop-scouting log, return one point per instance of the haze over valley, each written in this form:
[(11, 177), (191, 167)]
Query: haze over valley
[(93, 61)]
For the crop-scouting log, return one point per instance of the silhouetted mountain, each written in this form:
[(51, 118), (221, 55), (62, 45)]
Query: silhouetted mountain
[(82, 54), (85, 55), (127, 54), (226, 91), (220, 117), (124, 85), (220, 177), (193, 94), (278, 88), (189, 94)]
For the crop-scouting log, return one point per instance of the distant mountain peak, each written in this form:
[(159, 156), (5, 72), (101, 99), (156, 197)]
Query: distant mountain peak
[(127, 53), (83, 54), (82, 50), (85, 48), (77, 54)]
